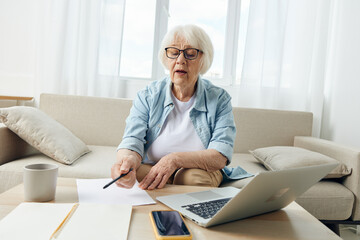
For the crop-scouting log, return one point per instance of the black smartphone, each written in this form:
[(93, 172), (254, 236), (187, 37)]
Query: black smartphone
[(169, 225)]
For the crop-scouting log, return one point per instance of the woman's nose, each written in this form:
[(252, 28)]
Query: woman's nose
[(181, 58)]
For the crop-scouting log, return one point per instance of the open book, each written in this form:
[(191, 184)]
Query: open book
[(66, 221)]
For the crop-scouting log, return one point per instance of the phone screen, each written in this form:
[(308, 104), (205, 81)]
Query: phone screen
[(169, 223)]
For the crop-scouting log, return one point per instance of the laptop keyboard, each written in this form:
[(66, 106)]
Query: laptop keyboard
[(206, 209)]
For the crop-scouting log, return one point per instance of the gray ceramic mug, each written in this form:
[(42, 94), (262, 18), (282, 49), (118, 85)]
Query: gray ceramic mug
[(40, 182)]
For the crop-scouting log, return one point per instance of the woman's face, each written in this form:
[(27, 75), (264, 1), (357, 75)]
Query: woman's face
[(183, 72)]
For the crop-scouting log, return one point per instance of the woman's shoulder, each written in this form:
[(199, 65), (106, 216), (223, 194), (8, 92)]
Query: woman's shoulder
[(154, 87), (214, 90), (154, 92)]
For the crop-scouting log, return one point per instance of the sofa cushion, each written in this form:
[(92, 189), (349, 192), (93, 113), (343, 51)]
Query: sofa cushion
[(96, 164), (285, 157), (43, 133), (328, 200)]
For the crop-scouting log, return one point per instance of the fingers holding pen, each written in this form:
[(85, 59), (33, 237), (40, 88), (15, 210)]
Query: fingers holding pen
[(127, 179), (123, 166)]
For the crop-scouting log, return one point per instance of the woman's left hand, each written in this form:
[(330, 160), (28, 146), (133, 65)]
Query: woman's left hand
[(159, 173)]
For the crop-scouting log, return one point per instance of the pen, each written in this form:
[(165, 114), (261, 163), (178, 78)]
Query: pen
[(122, 175)]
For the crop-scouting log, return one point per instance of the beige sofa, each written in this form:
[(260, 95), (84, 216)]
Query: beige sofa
[(100, 122)]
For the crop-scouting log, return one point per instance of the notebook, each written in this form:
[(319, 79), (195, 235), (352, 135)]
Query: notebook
[(87, 221), (266, 192)]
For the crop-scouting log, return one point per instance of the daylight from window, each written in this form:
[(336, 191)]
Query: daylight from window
[(128, 33), (138, 40), (213, 21)]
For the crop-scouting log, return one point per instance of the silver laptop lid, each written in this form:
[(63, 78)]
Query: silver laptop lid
[(266, 192), (270, 191)]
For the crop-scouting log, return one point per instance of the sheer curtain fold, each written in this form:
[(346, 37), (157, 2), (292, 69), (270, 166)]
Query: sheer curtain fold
[(79, 68), (285, 56), (68, 49)]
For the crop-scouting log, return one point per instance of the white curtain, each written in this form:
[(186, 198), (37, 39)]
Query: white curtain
[(285, 56), (284, 61), (68, 51)]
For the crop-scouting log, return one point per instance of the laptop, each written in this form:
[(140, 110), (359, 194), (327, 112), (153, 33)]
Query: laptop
[(266, 192)]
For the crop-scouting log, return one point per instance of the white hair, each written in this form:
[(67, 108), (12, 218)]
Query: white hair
[(196, 37)]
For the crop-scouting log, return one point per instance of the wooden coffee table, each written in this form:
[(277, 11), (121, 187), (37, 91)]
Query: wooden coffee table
[(292, 222)]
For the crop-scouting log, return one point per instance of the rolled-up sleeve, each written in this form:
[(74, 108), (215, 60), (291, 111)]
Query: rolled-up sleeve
[(223, 135), (136, 125)]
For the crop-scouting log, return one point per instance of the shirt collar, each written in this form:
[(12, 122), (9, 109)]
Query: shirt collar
[(168, 100), (200, 95)]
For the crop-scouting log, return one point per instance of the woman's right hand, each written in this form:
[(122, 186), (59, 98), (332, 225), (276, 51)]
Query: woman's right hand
[(125, 159)]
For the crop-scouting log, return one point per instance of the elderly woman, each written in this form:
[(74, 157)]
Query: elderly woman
[(180, 129)]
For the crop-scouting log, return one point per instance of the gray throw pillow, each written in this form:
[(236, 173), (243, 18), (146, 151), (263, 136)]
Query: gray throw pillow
[(44, 133), (286, 157)]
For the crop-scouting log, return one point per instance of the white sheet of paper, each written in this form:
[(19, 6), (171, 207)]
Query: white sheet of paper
[(33, 221), (91, 191), (89, 221), (98, 221)]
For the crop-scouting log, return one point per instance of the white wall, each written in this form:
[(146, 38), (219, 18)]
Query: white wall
[(341, 119), (18, 28)]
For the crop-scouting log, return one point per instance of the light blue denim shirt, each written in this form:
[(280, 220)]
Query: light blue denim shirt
[(211, 115)]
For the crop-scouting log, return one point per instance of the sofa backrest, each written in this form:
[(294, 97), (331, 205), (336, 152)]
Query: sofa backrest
[(95, 120), (257, 128), (101, 121)]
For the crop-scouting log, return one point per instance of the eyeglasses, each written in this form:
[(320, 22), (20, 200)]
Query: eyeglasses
[(189, 53)]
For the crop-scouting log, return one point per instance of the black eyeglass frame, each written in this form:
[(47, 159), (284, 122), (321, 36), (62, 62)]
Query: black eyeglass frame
[(184, 51)]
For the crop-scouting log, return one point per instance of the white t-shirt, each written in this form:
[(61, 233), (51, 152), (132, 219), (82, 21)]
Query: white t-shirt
[(177, 134)]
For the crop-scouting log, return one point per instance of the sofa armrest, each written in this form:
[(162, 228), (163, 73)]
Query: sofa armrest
[(12, 147), (349, 156)]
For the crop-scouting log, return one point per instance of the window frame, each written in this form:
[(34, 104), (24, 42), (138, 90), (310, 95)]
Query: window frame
[(230, 44)]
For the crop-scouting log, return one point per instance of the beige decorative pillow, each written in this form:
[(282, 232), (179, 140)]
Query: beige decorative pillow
[(285, 157), (43, 133)]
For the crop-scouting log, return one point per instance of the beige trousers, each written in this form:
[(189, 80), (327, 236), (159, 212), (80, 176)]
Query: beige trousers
[(186, 176)]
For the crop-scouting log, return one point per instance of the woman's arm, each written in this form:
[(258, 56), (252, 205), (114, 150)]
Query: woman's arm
[(130, 151), (224, 131), (209, 160)]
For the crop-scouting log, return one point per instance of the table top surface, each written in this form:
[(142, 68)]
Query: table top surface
[(292, 222)]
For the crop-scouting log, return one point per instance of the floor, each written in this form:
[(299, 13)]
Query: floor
[(348, 232)]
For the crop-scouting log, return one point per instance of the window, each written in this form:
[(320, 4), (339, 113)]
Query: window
[(131, 33), (209, 15), (126, 38), (138, 40)]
